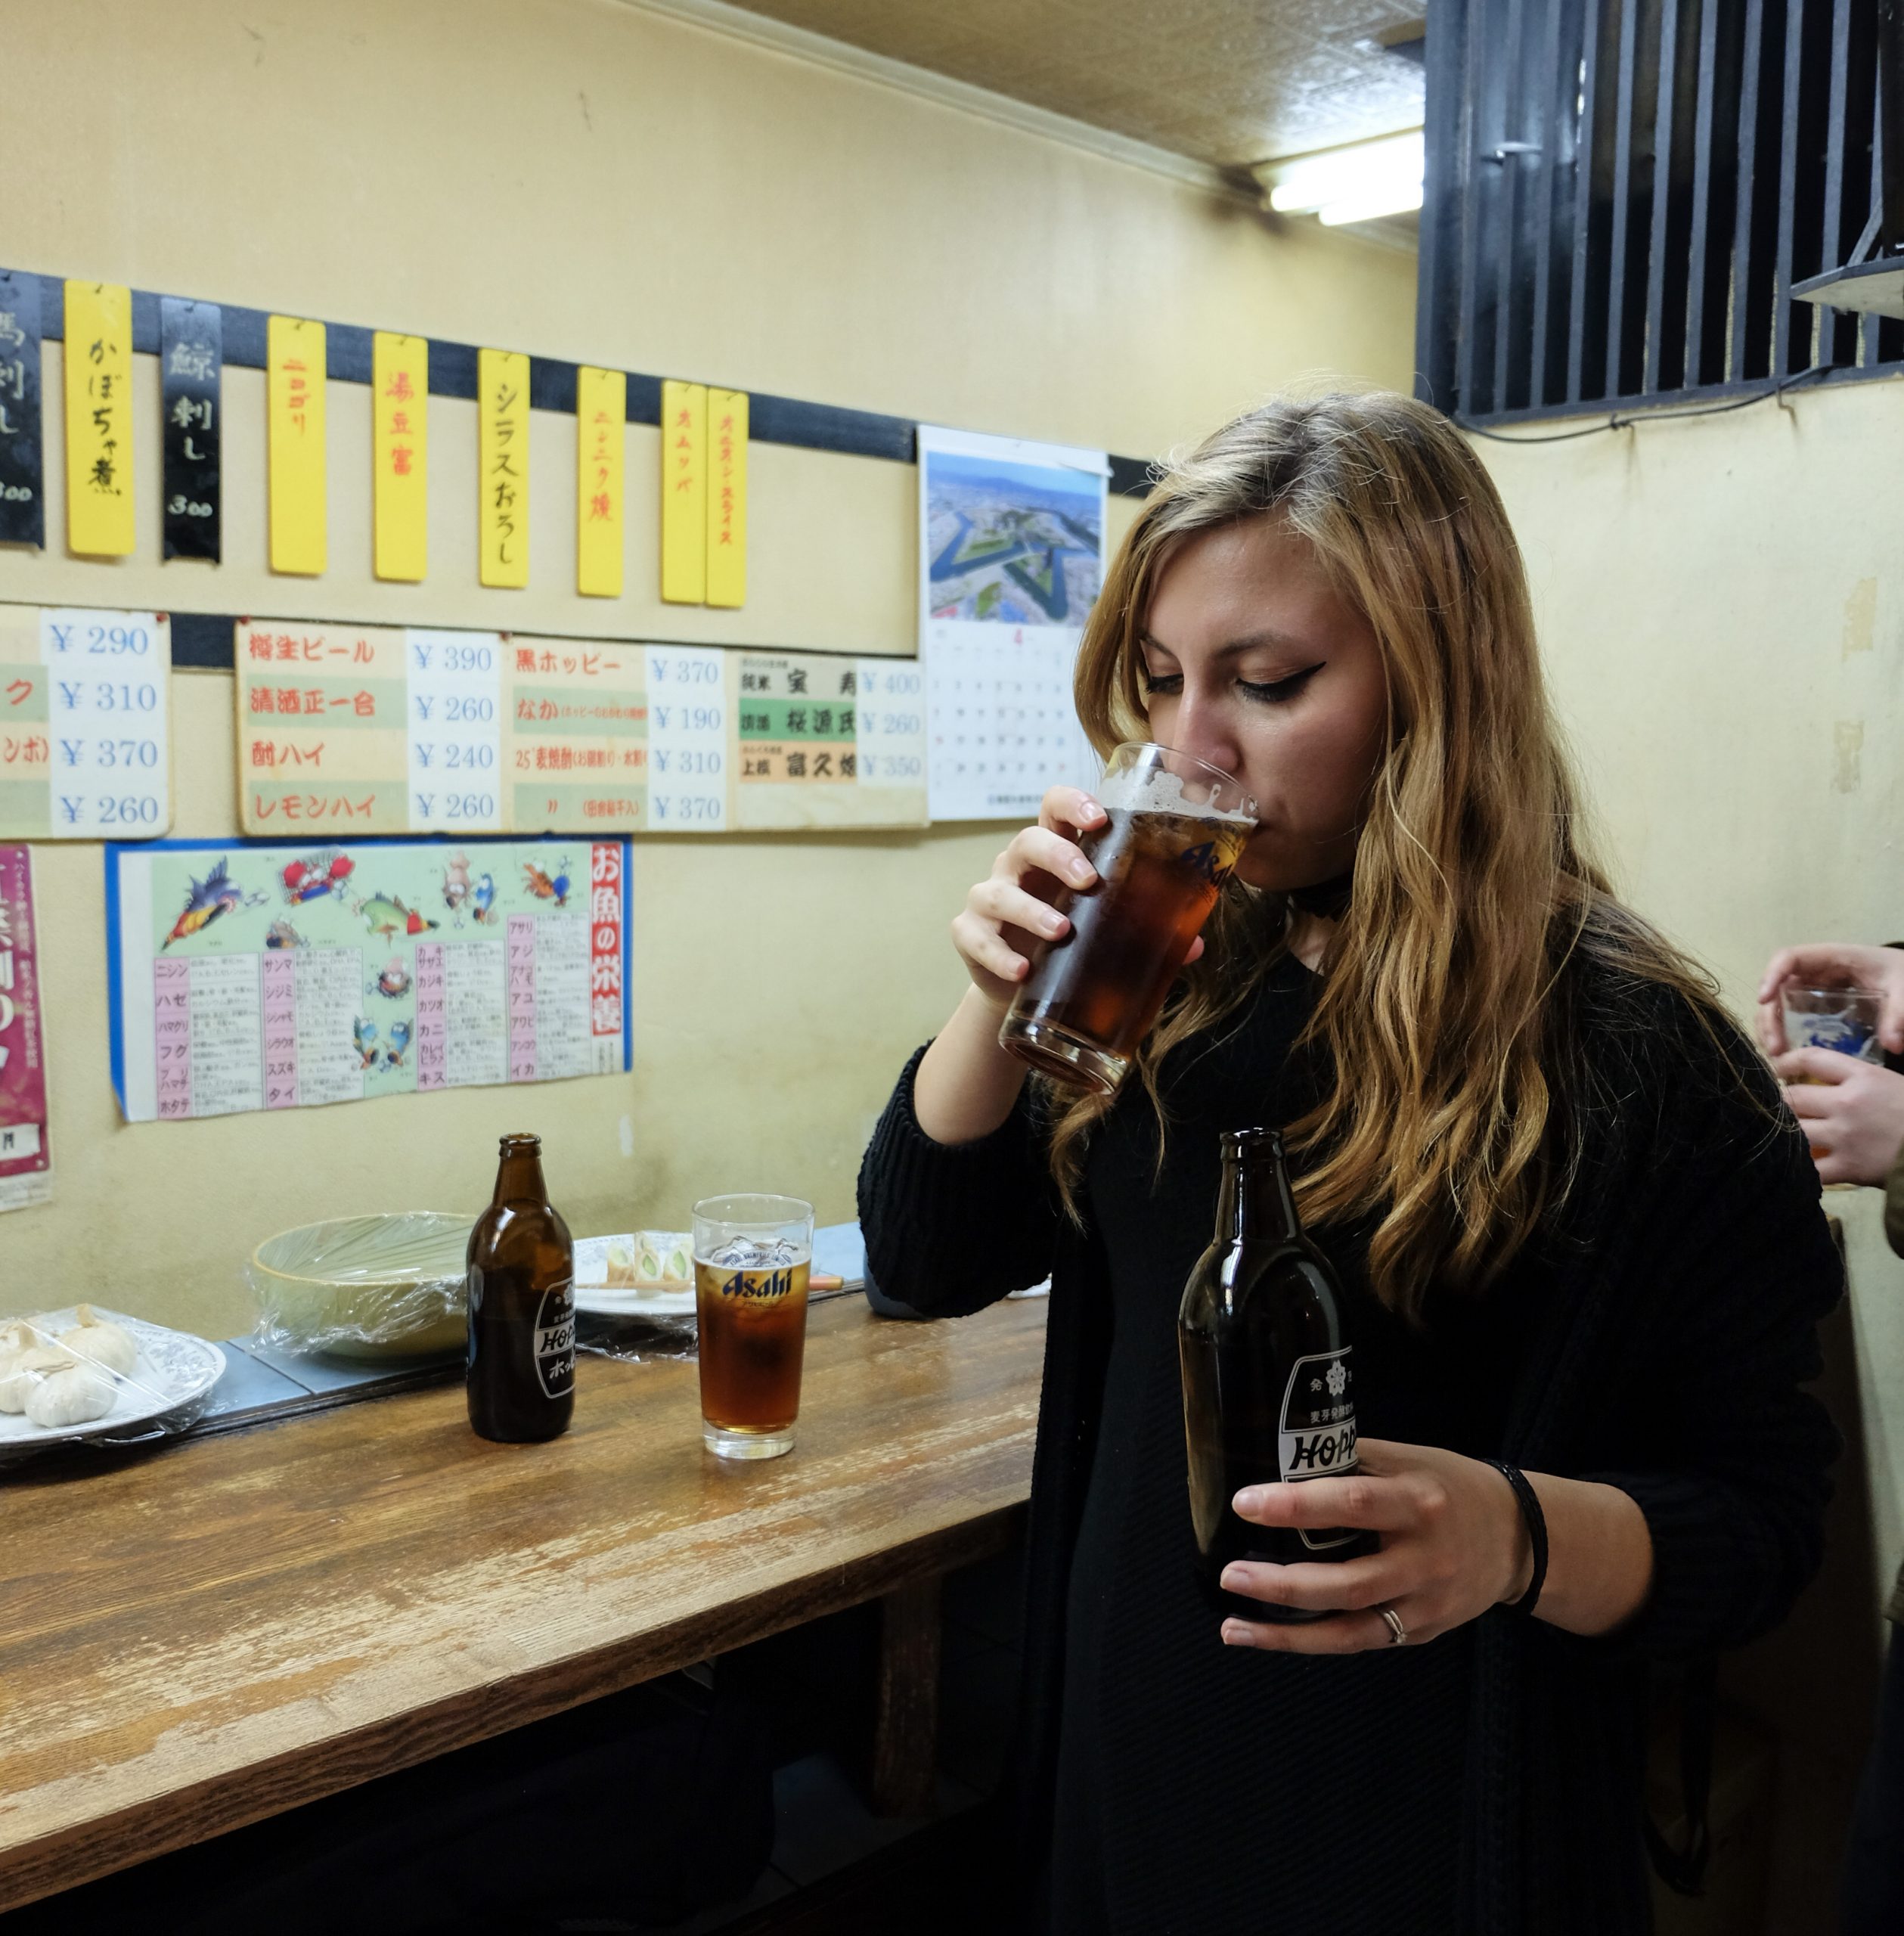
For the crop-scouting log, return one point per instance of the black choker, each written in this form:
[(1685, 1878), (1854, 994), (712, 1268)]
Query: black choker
[(1329, 900)]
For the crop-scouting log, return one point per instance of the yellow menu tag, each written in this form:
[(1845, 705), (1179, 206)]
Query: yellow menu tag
[(294, 392), (727, 498), (601, 416), (400, 454), (99, 418), (502, 457), (683, 492)]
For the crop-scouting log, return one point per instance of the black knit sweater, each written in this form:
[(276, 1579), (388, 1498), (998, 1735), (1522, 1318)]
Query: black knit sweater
[(1671, 1313)]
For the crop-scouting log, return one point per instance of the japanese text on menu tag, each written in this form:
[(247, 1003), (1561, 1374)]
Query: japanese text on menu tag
[(454, 722), (98, 351), (727, 498), (502, 452), (296, 361), (687, 739), (601, 432), (111, 746), (22, 497), (400, 447)]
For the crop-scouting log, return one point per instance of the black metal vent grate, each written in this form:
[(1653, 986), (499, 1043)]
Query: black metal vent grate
[(1621, 193)]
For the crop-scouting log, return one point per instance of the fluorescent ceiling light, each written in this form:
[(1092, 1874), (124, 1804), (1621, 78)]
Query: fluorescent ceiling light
[(1398, 199), (1355, 183)]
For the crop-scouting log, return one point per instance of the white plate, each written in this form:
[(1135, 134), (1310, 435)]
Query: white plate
[(600, 1302), (173, 1368)]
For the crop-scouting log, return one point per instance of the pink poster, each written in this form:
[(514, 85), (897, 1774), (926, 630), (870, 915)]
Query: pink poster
[(26, 1161)]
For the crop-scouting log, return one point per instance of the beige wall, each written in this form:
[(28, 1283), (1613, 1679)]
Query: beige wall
[(1721, 602), (584, 179)]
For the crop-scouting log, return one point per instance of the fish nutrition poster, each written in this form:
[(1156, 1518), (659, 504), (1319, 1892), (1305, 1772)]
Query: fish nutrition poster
[(268, 977)]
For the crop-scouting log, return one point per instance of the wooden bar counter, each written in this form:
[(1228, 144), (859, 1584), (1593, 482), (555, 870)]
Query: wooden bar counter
[(201, 1637)]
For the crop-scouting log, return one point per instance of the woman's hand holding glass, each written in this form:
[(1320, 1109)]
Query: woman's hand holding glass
[(1010, 912)]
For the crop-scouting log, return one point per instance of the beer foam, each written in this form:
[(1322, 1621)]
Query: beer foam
[(1157, 790)]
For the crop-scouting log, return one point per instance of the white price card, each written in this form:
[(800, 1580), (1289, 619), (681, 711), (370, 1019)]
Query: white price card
[(688, 730), (454, 728), (890, 722), (108, 735)]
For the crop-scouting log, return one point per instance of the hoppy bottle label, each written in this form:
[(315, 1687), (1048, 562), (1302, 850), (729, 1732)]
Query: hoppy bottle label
[(1315, 1434), (555, 1339)]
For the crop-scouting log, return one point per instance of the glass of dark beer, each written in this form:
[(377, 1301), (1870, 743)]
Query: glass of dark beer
[(751, 1255), (1173, 830)]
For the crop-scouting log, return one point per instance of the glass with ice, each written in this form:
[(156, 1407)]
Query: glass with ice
[(1173, 830), (751, 1255), (1842, 1019)]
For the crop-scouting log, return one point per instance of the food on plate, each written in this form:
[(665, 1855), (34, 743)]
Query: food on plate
[(102, 1341), (664, 1260), (637, 1261), (15, 1339), (31, 1366), (74, 1395)]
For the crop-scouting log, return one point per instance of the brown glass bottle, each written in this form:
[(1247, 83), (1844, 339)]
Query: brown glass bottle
[(521, 1362), (1268, 1393)]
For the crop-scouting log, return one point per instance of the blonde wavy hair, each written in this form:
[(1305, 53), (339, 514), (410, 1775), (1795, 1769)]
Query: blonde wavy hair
[(1442, 1014)]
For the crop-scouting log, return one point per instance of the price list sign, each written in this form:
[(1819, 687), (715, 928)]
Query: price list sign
[(85, 742), (829, 741), (688, 763), (280, 976), (576, 716), (368, 730), (322, 718)]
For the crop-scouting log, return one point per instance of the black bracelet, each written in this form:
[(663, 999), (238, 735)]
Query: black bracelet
[(1529, 1501)]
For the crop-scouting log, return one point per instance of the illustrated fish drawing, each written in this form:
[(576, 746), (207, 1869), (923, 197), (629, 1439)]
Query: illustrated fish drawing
[(317, 874), (484, 898), (217, 894), (548, 887), (282, 934), (385, 915), (395, 980), (399, 1041), (363, 1032)]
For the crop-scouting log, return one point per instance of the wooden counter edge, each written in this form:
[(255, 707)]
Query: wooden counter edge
[(183, 1816)]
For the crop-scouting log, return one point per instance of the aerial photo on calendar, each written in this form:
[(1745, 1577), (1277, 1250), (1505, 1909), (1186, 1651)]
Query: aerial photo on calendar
[(1020, 544)]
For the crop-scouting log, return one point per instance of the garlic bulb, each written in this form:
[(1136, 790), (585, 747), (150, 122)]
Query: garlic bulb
[(74, 1396), (15, 1340), (102, 1341), (32, 1365)]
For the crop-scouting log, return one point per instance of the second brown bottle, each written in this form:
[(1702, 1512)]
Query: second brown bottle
[(521, 1369)]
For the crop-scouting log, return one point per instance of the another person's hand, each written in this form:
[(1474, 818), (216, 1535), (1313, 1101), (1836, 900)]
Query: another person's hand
[(1009, 913), (1454, 1544), (1852, 1112), (1833, 964)]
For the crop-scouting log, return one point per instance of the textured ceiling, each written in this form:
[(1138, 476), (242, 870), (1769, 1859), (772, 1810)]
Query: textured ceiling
[(1225, 82)]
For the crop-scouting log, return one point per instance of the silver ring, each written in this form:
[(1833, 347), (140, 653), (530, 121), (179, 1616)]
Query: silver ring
[(1398, 1632)]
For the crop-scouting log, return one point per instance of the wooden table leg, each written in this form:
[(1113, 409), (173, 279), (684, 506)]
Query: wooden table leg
[(905, 1730)]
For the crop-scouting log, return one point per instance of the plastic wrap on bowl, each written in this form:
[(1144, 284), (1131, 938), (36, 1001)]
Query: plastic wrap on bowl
[(364, 1287)]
